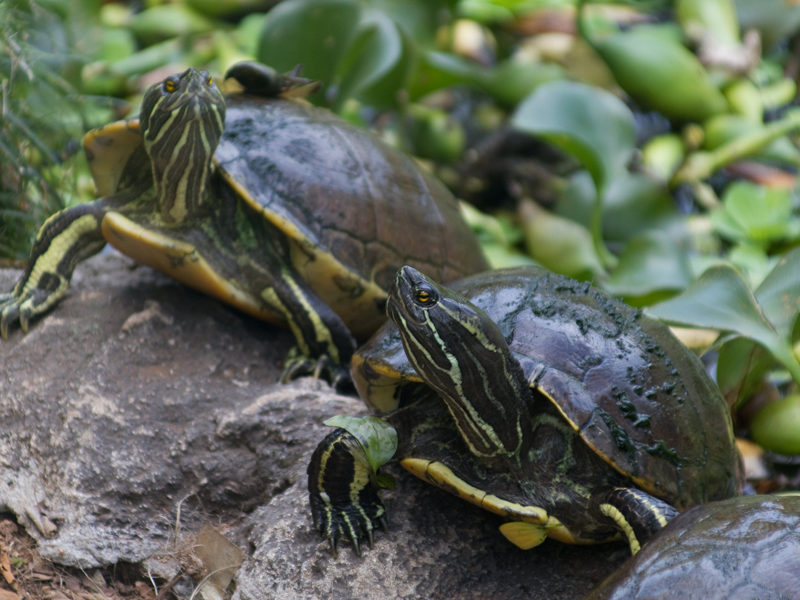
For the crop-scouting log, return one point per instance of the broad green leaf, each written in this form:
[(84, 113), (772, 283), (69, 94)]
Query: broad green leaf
[(720, 299), (377, 437), (374, 53), (659, 73), (741, 367), (312, 33), (751, 260), (355, 49), (754, 212), (508, 82), (633, 204), (557, 243), (419, 19), (650, 262), (779, 293), (589, 123)]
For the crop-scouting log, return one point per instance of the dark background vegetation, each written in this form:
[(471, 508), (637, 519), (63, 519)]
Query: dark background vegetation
[(650, 147)]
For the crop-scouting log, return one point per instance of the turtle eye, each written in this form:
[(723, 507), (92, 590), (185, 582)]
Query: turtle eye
[(424, 297), (169, 85), (210, 80)]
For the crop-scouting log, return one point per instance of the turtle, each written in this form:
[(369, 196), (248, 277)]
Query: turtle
[(279, 208), (537, 397), (739, 548)]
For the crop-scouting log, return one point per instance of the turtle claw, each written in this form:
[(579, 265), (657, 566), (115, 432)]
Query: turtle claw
[(9, 312), (346, 522), (26, 302), (19, 310), (344, 501), (323, 367)]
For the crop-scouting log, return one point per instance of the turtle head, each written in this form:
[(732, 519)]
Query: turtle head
[(462, 354), (182, 119)]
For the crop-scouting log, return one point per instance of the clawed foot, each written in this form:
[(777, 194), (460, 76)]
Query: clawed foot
[(343, 496), (323, 367), (14, 309), (30, 298)]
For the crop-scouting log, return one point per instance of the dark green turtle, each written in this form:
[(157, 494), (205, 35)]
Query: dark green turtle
[(538, 398), (736, 549), (279, 208)]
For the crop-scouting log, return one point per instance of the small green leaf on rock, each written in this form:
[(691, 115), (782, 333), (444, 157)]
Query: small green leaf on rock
[(377, 437)]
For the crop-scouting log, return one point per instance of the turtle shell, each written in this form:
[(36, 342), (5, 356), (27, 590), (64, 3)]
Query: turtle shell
[(740, 548), (633, 392), (352, 208)]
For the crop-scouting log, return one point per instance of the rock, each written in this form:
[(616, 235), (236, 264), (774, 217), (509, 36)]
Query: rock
[(139, 411)]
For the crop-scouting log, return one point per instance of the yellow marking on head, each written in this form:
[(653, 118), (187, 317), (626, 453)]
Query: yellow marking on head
[(614, 513)]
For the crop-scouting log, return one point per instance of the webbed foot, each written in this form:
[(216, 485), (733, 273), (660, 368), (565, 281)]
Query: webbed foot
[(343, 496), (322, 367)]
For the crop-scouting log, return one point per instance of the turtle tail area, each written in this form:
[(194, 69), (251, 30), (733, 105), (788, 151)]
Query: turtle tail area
[(636, 513)]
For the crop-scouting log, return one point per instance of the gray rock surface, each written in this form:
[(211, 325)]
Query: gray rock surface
[(139, 410)]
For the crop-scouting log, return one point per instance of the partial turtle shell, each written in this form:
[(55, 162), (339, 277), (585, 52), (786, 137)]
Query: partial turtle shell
[(635, 394)]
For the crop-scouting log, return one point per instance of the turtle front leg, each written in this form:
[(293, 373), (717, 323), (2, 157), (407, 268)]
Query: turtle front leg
[(66, 239), (637, 514), (342, 491), (324, 343)]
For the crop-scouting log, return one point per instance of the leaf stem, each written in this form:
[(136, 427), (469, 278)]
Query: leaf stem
[(700, 165)]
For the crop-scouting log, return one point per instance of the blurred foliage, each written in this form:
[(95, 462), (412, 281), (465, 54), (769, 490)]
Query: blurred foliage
[(648, 146)]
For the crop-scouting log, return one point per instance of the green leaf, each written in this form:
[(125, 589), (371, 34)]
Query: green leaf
[(508, 82), (741, 367), (374, 52), (720, 299), (751, 260), (377, 437), (558, 244), (313, 33), (779, 293), (356, 50), (659, 73), (754, 212), (650, 262), (592, 125), (633, 204)]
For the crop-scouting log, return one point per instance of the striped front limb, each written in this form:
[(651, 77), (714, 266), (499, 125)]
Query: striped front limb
[(343, 496), (324, 343), (637, 514), (66, 238)]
